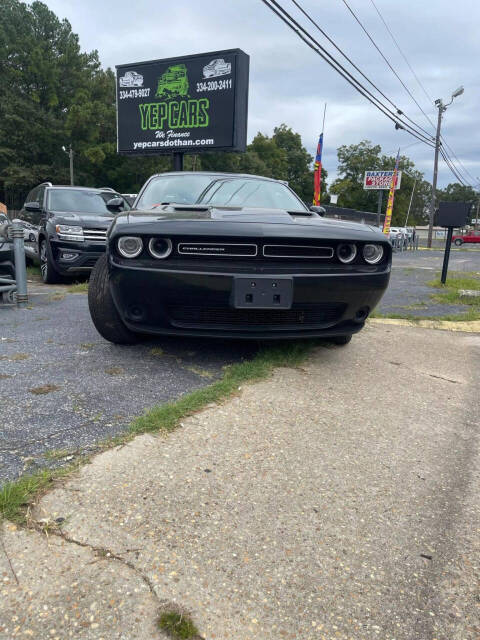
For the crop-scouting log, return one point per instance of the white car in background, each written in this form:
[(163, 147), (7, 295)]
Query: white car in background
[(398, 236), (30, 231), (217, 68)]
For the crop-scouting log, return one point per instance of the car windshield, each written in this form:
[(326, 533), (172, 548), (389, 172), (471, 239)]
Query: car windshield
[(228, 191), (76, 201)]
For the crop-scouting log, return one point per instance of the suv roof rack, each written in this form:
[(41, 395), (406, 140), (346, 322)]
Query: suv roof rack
[(46, 184)]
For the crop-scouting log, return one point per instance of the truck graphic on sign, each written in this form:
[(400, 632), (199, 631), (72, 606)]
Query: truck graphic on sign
[(173, 82)]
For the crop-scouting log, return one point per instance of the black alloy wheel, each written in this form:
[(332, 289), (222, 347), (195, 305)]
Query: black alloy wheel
[(104, 314), (47, 270)]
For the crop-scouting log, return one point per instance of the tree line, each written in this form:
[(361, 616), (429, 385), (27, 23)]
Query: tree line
[(54, 95)]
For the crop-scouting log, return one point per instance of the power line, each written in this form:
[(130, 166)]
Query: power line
[(325, 55), (452, 167), (388, 64), (475, 180), (300, 8), (402, 54)]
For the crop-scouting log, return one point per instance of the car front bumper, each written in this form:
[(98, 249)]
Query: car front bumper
[(85, 255), (189, 303)]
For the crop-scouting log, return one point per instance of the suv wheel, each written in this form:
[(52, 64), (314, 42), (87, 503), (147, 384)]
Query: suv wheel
[(48, 271), (104, 314)]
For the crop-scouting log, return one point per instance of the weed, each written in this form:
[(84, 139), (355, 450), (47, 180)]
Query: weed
[(46, 388), (177, 625), (156, 351), (15, 357), (115, 371)]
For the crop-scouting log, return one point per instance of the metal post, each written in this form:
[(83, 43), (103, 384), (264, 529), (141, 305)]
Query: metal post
[(379, 206), (178, 160), (16, 233), (446, 255), (70, 153), (441, 109)]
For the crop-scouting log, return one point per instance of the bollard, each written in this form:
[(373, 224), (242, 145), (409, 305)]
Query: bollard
[(17, 235)]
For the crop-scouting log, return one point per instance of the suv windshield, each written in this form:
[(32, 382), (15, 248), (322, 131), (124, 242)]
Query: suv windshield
[(228, 191), (76, 201)]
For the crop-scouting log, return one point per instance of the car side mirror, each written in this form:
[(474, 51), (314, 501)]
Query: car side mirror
[(115, 203), (32, 206), (318, 210)]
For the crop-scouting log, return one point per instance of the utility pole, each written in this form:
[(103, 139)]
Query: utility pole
[(441, 108), (70, 153)]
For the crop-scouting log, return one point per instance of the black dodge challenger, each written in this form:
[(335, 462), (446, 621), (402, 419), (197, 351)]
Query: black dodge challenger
[(234, 256)]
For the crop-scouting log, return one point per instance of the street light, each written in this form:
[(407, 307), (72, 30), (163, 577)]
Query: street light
[(441, 108)]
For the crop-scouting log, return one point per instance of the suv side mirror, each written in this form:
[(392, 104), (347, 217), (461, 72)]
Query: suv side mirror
[(32, 206), (115, 203), (318, 210)]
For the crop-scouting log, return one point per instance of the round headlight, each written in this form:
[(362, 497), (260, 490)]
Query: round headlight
[(372, 253), (160, 247), (130, 246), (346, 252)]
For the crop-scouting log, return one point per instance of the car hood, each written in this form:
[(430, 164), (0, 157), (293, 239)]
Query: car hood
[(195, 214), (89, 220)]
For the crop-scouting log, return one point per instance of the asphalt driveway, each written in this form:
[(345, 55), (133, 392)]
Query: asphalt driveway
[(64, 388)]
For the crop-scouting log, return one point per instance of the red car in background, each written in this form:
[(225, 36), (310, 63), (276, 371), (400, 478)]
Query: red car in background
[(471, 236)]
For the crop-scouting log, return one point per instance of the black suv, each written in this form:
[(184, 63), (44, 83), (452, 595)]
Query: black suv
[(73, 224)]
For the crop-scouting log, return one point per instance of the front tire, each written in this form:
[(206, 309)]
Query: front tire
[(103, 312), (49, 274), (341, 340), (458, 242)]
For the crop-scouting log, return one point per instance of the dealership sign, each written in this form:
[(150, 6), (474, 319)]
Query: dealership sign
[(380, 179), (194, 103)]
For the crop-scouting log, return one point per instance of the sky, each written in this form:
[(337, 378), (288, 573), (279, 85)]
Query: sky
[(290, 83)]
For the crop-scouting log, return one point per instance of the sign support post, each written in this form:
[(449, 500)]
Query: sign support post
[(379, 207), (178, 160), (446, 255)]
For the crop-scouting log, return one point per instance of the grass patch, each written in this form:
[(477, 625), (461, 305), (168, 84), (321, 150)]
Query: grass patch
[(449, 293), (16, 357), (33, 271), (167, 416), (177, 625), (78, 287)]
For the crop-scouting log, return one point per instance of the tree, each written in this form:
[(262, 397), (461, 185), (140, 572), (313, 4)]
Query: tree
[(355, 159)]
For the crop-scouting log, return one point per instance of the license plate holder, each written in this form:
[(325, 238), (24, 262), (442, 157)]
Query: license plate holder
[(259, 292)]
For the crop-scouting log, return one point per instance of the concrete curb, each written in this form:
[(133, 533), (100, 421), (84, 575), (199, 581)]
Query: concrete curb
[(444, 325)]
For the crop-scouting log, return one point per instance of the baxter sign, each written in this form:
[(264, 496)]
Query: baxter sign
[(194, 103), (380, 179)]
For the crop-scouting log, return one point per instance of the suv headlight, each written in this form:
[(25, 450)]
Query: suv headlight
[(372, 253), (69, 232), (130, 246)]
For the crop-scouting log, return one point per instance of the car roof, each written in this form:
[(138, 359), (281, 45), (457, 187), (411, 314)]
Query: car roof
[(218, 174), (96, 189)]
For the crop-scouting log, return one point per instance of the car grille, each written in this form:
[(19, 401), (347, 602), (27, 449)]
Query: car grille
[(313, 316), (250, 249), (97, 235), (217, 249)]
